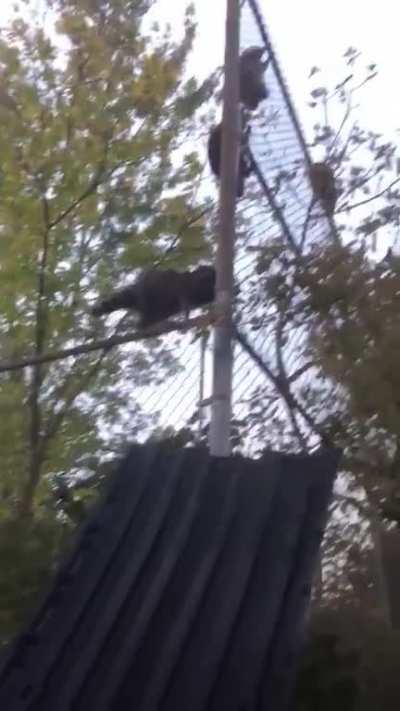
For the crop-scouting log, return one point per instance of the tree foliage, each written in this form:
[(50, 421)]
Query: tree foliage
[(328, 310), (351, 661), (98, 179)]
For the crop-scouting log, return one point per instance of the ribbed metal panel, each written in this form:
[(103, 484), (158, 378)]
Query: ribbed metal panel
[(186, 592)]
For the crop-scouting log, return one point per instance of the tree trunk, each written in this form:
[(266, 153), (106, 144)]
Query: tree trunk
[(35, 430)]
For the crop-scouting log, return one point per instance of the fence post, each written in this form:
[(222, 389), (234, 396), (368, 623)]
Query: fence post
[(223, 356)]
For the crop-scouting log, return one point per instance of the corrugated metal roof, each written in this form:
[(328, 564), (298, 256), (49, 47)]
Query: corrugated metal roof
[(186, 592)]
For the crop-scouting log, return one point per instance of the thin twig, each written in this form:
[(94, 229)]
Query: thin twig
[(188, 223), (341, 127), (374, 197), (93, 185), (306, 223)]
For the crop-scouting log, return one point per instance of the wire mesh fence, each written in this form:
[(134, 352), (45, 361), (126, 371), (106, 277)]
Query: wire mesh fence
[(276, 205)]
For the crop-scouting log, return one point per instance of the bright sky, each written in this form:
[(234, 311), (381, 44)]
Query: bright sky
[(305, 34), (315, 33)]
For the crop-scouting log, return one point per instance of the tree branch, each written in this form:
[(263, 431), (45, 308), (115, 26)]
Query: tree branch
[(374, 197), (108, 343), (185, 225), (35, 427), (288, 397), (58, 418), (86, 193), (306, 223), (341, 127), (300, 371), (283, 381)]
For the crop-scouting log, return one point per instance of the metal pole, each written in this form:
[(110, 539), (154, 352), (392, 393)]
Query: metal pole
[(203, 346), (223, 360)]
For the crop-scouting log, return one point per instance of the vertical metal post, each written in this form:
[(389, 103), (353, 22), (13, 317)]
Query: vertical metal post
[(223, 359), (203, 347)]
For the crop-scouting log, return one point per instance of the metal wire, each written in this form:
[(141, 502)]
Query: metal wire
[(277, 203)]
